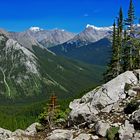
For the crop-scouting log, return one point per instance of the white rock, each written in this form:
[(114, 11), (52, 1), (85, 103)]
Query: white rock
[(18, 138), (95, 137), (18, 132), (4, 134), (126, 131), (31, 130), (107, 109), (102, 97), (83, 136), (137, 136), (60, 134), (132, 93), (101, 128), (135, 118)]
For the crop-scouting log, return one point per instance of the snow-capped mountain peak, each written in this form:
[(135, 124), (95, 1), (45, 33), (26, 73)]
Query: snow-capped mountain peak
[(99, 28), (35, 29)]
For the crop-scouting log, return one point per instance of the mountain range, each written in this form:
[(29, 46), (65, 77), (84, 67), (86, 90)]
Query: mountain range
[(28, 69), (40, 62), (64, 43)]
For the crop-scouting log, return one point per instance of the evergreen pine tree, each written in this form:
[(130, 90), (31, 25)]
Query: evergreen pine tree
[(129, 47), (121, 20), (114, 66), (136, 61), (131, 18), (110, 73), (119, 41), (126, 53)]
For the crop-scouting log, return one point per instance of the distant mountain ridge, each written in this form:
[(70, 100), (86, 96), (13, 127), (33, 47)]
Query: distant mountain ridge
[(93, 45), (32, 71), (47, 38), (75, 46)]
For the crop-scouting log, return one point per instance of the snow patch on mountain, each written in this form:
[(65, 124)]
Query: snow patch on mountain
[(35, 29), (99, 28)]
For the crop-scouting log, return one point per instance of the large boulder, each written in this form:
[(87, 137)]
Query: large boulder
[(60, 134), (102, 98), (101, 128)]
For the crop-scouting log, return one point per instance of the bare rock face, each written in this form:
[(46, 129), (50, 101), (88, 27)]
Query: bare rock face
[(101, 99)]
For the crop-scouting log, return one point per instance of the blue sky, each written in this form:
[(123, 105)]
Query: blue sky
[(72, 15)]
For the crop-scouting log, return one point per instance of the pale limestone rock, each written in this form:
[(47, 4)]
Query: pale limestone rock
[(60, 134), (4, 134), (83, 136), (126, 131), (31, 130), (101, 128), (101, 98)]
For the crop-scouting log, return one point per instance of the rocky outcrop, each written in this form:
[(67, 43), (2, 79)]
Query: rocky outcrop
[(19, 134), (113, 104), (102, 99), (61, 134), (108, 111)]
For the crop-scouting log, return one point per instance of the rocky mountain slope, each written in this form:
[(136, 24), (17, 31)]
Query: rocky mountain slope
[(19, 69), (47, 38), (87, 45), (93, 45), (111, 111), (32, 70), (94, 53), (92, 34), (82, 46)]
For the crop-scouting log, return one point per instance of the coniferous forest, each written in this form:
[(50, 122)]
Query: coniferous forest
[(125, 45)]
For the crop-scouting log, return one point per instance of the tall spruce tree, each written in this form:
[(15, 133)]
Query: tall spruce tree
[(114, 66), (110, 73), (121, 22), (129, 47), (131, 18), (126, 53), (119, 39), (136, 61)]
